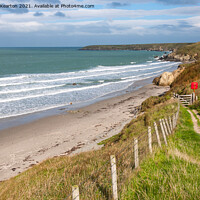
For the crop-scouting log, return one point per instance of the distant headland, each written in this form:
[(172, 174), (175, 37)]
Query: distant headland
[(138, 47), (184, 52)]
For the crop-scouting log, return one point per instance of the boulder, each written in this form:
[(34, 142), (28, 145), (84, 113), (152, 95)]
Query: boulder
[(166, 79), (156, 80)]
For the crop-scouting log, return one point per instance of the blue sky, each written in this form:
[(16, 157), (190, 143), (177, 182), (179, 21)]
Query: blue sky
[(109, 22)]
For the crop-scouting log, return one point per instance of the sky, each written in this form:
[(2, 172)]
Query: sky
[(104, 22)]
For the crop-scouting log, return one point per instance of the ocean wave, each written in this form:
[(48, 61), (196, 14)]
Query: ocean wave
[(11, 78), (31, 79), (29, 89)]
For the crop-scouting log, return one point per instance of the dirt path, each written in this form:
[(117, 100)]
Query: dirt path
[(196, 127)]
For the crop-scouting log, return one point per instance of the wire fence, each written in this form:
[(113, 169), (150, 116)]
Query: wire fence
[(108, 179)]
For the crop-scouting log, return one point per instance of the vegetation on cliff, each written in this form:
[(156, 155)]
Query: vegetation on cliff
[(186, 73), (193, 50), (190, 52), (148, 47), (182, 83)]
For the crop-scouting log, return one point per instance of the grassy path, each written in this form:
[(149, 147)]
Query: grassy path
[(172, 172), (195, 122)]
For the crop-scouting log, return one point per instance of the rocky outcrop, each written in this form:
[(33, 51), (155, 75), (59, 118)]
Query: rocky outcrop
[(178, 57), (167, 78)]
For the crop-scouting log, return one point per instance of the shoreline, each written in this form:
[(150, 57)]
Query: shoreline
[(26, 145), (15, 121)]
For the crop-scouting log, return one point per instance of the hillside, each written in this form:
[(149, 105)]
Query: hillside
[(189, 52), (176, 164), (170, 172), (173, 172), (148, 47)]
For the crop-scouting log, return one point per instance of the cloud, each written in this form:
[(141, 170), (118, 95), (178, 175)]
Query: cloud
[(181, 25), (117, 1), (38, 14), (179, 2), (49, 1), (94, 28), (22, 1), (117, 4), (17, 10), (60, 14), (176, 2)]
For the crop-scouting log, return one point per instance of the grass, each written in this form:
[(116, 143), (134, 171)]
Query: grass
[(196, 106), (140, 124), (191, 49), (53, 178), (172, 172), (198, 121), (183, 82)]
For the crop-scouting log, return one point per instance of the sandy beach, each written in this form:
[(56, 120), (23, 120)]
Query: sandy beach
[(80, 130)]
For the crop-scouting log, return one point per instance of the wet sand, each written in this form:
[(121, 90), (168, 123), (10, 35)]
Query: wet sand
[(74, 131)]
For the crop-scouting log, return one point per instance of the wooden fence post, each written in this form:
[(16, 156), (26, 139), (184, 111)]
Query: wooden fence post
[(176, 117), (162, 129), (157, 134), (193, 98), (150, 139), (170, 123), (174, 121), (136, 153), (114, 176), (169, 131), (75, 192), (164, 126)]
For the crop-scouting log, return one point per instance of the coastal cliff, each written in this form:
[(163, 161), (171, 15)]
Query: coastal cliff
[(187, 53)]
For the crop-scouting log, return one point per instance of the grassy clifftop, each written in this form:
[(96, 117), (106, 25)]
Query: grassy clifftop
[(190, 52), (182, 83), (148, 47)]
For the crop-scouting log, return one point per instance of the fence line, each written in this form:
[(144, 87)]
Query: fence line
[(164, 127)]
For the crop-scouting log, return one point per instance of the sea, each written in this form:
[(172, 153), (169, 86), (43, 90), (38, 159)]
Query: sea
[(38, 79)]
